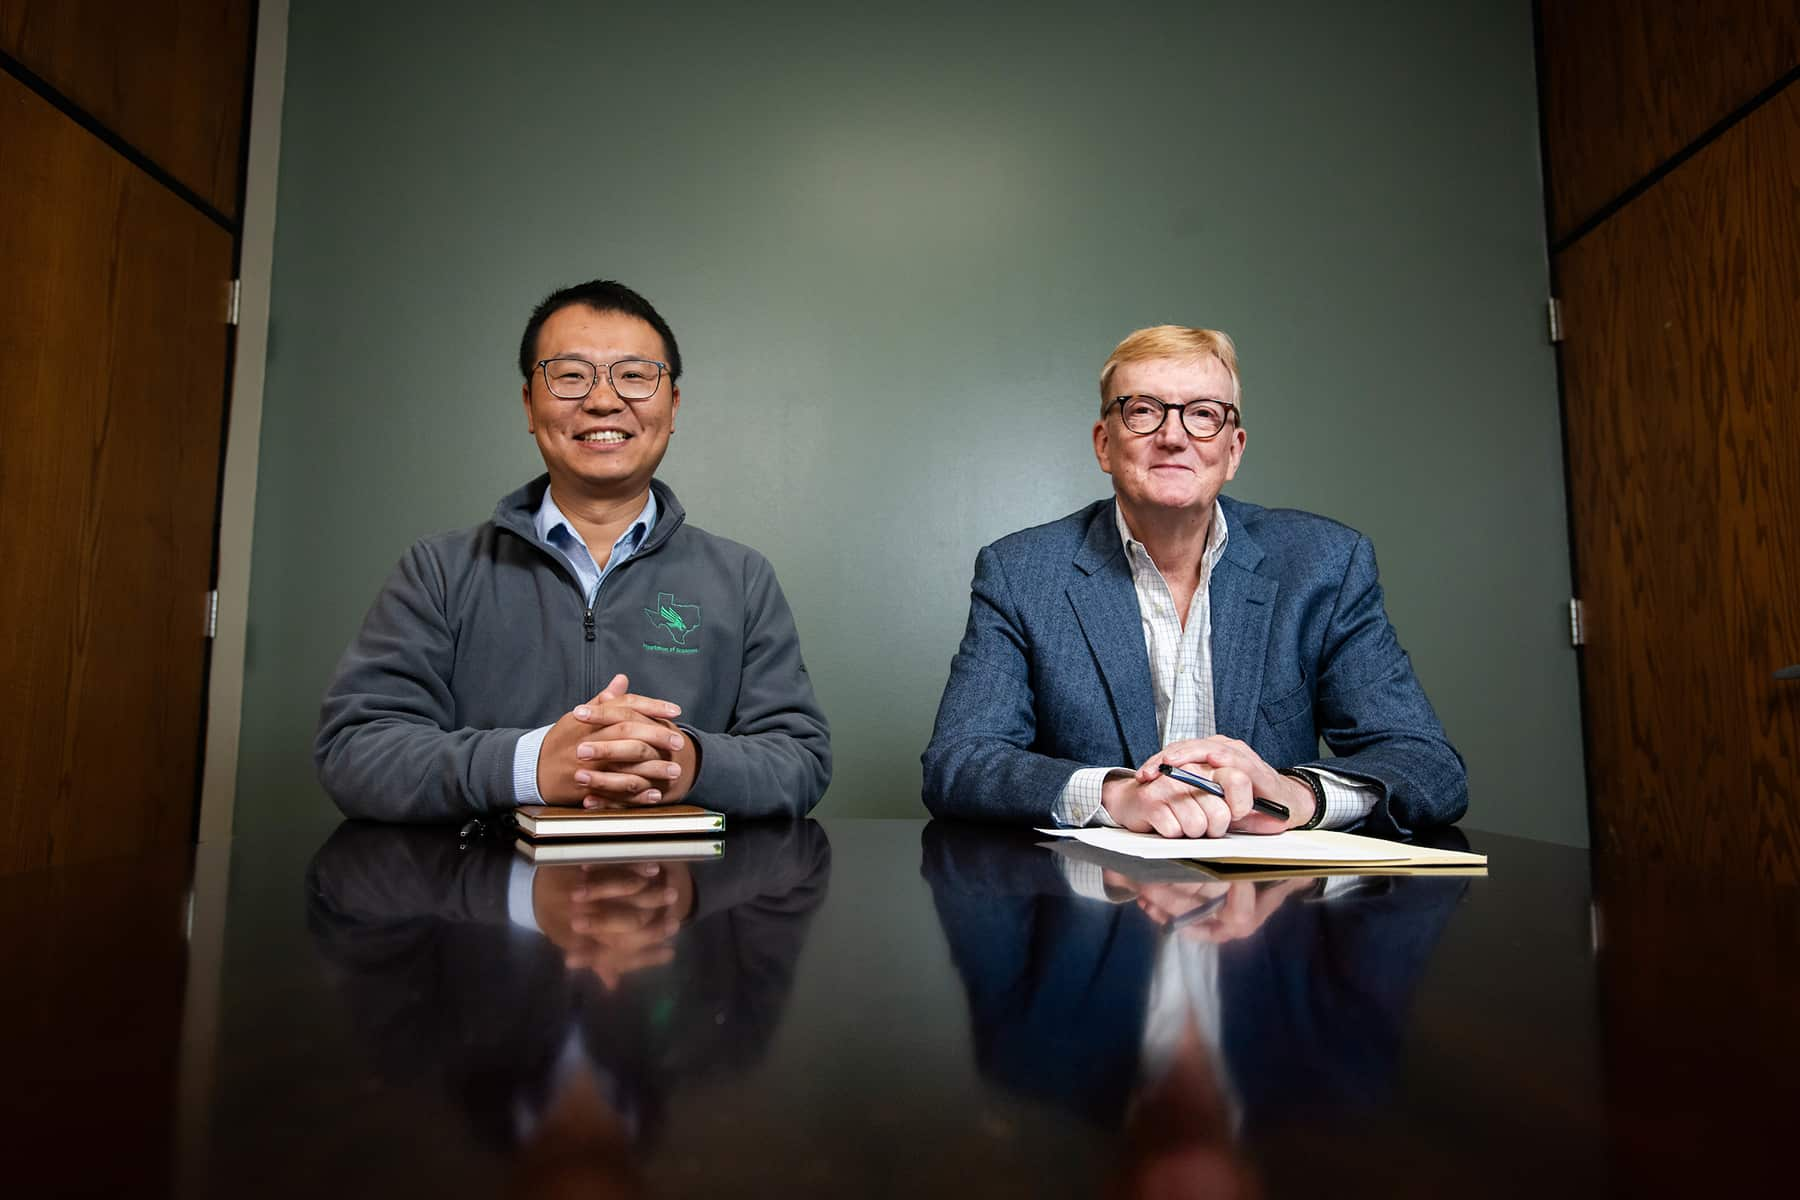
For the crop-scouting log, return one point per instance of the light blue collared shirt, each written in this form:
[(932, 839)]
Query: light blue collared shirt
[(555, 531), (559, 535)]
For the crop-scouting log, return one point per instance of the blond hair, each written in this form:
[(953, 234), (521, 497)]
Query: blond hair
[(1172, 341)]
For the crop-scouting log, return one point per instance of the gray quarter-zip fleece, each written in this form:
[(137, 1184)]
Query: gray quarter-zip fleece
[(482, 635)]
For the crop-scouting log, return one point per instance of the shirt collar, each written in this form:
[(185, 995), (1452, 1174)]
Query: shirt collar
[(549, 518), (1216, 536)]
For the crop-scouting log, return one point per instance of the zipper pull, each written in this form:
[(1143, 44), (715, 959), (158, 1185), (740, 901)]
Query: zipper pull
[(587, 623)]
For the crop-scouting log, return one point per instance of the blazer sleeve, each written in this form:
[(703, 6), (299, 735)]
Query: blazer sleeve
[(1372, 712), (980, 764)]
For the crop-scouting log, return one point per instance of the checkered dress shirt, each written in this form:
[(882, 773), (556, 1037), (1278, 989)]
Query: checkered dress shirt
[(1182, 676)]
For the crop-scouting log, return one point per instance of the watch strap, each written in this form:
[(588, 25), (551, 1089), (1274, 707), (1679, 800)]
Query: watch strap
[(1318, 790)]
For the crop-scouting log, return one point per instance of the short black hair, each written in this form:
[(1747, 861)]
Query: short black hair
[(601, 295)]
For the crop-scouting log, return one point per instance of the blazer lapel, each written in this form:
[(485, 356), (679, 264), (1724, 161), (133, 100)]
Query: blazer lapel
[(1105, 603), (1243, 605)]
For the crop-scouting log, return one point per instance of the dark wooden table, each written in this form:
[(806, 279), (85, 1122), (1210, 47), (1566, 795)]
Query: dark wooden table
[(858, 1007)]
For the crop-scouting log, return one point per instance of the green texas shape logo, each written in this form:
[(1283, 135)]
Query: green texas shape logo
[(678, 622)]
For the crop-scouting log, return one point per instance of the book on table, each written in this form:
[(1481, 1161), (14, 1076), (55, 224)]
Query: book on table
[(541, 821)]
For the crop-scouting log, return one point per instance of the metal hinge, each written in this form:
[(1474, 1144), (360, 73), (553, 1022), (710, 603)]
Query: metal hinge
[(212, 613), (1577, 623), (1554, 308), (234, 292)]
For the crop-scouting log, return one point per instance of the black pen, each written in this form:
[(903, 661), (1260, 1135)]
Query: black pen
[(1208, 786), (1199, 912)]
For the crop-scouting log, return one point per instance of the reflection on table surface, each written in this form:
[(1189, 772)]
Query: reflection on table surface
[(886, 1007), (559, 1006), (1180, 1010)]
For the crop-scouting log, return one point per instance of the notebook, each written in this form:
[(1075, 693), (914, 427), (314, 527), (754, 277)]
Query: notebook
[(538, 821)]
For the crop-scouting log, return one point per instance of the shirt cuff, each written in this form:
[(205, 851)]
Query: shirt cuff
[(519, 908), (1085, 879), (1347, 801), (1337, 886), (525, 760), (1079, 803)]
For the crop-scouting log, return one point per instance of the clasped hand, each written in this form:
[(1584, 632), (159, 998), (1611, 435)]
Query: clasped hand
[(612, 918), (1208, 911), (618, 750), (1148, 801)]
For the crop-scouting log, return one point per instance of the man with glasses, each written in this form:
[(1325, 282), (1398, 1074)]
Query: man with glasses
[(1172, 626), (586, 646)]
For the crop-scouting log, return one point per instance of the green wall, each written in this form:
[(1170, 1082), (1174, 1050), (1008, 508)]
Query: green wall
[(896, 248)]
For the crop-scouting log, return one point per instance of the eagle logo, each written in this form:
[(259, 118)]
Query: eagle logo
[(679, 621)]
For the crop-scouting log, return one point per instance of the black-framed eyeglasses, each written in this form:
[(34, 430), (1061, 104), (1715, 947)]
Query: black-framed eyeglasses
[(1203, 419), (630, 378)]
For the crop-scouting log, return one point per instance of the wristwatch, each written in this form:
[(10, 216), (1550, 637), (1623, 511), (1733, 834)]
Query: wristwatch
[(1318, 791)]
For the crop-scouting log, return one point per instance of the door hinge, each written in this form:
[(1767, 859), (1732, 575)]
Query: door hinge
[(234, 292), (212, 613), (1577, 623), (1554, 310)]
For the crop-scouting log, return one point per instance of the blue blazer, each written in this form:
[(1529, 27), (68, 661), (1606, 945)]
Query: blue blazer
[(1313, 1005), (1052, 674)]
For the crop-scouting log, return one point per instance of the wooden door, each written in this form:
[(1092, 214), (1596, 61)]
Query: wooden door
[(113, 351), (90, 1022), (166, 76), (1682, 391), (1628, 86)]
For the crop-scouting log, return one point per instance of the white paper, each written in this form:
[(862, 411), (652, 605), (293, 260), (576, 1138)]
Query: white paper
[(1309, 846)]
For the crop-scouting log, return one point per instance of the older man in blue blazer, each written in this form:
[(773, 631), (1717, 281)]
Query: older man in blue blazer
[(1174, 625)]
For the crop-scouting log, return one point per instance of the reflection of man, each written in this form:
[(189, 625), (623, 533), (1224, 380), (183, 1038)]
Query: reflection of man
[(610, 918), (646, 977), (1173, 625), (1099, 991), (586, 645)]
